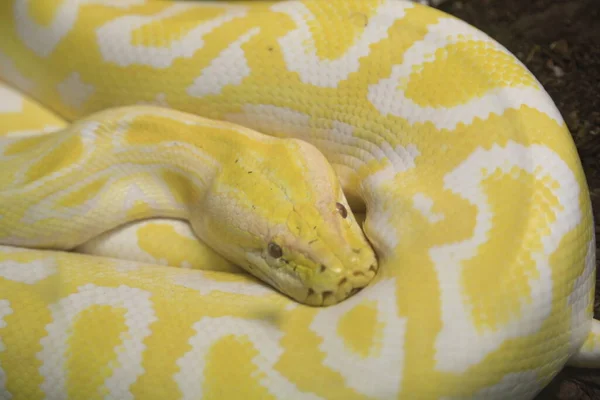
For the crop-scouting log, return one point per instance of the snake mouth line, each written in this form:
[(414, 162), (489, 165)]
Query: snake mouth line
[(346, 287)]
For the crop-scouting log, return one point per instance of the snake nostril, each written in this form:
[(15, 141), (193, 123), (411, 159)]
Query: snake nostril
[(357, 251), (373, 268), (322, 268)]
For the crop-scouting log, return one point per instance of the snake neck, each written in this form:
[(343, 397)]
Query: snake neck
[(116, 167)]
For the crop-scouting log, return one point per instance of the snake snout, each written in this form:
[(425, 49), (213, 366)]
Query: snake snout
[(349, 283)]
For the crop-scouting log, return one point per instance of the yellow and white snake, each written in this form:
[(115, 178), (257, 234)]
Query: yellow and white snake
[(116, 111)]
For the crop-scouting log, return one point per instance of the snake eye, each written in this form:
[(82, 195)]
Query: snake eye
[(341, 209), (274, 250)]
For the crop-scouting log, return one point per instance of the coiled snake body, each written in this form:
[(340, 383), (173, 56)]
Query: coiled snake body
[(475, 200)]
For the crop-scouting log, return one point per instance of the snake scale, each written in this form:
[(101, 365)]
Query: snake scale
[(474, 197)]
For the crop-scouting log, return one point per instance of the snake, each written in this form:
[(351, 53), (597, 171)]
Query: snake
[(302, 199)]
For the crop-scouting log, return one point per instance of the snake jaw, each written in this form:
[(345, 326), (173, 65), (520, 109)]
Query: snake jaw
[(324, 280), (318, 287), (348, 285)]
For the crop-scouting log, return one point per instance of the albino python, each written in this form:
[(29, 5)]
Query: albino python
[(476, 205)]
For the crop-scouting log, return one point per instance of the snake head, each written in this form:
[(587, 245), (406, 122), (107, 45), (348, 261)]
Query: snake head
[(288, 223), (319, 256)]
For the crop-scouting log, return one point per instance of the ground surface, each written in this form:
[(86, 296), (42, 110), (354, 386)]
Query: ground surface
[(559, 41)]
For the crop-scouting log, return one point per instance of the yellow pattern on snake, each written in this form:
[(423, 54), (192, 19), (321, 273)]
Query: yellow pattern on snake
[(476, 204)]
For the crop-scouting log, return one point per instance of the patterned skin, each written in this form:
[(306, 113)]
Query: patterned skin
[(475, 199)]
